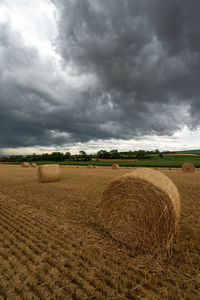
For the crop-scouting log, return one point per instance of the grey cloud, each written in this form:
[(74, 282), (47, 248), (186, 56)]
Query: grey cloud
[(25, 98), (143, 54), (146, 48)]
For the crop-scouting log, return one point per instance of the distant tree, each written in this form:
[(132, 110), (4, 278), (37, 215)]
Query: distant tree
[(83, 156), (83, 153), (46, 156), (103, 154), (115, 154), (141, 154), (57, 156), (67, 155), (160, 155)]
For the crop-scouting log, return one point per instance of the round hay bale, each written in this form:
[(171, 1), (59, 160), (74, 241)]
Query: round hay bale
[(188, 168), (48, 173), (33, 165), (95, 167), (115, 166), (90, 166), (77, 167), (25, 164), (141, 209)]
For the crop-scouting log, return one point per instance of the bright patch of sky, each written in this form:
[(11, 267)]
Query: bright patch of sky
[(181, 140), (35, 20)]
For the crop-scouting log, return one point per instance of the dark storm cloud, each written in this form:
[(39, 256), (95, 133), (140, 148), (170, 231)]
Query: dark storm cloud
[(37, 107), (145, 51), (28, 94), (143, 56), (126, 40)]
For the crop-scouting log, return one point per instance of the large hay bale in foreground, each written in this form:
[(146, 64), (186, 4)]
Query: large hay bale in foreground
[(25, 164), (33, 165), (188, 168), (115, 166), (141, 209), (49, 173)]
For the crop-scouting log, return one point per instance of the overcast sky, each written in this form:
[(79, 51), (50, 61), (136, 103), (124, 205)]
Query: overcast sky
[(99, 74)]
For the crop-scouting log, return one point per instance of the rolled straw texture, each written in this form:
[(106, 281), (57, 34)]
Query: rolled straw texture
[(115, 166), (90, 166), (141, 209), (33, 165), (49, 173), (188, 168), (25, 164)]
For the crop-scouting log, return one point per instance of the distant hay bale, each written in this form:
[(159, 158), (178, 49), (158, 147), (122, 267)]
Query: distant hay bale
[(115, 166), (90, 166), (188, 168), (49, 173), (141, 209), (25, 164), (33, 165), (77, 167)]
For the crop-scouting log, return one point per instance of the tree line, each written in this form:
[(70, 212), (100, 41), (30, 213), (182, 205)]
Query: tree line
[(82, 156)]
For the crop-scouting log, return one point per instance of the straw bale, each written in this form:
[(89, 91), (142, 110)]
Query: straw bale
[(115, 166), (48, 173), (141, 209), (25, 164), (33, 165), (188, 168), (90, 166)]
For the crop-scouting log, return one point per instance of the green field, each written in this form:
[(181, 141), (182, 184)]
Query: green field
[(172, 160), (153, 161), (189, 152)]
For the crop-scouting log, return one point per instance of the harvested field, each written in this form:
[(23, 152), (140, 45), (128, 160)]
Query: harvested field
[(52, 247)]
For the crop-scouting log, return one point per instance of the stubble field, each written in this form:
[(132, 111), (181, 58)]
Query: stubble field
[(53, 247)]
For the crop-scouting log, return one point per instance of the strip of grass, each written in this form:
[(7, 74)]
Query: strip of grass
[(174, 161), (189, 152), (154, 161)]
